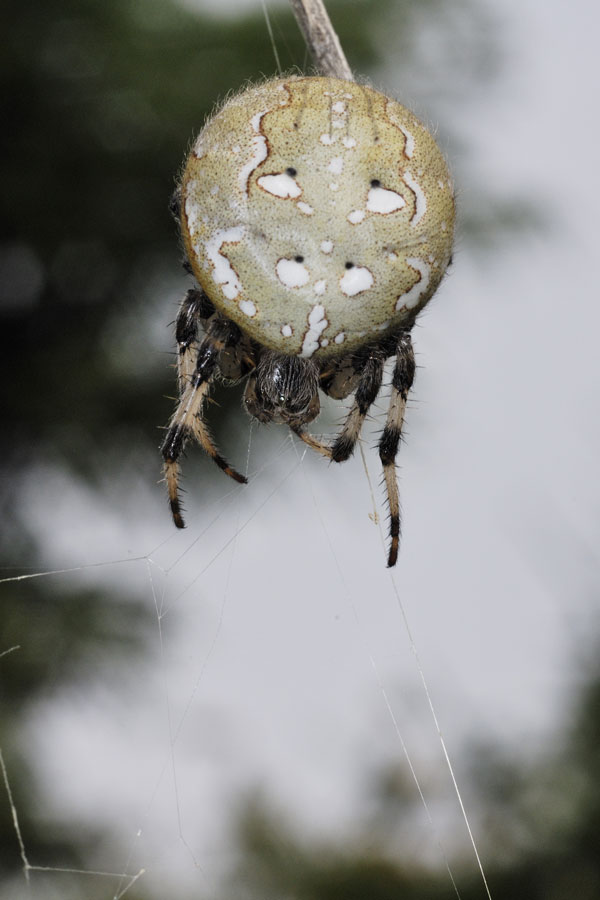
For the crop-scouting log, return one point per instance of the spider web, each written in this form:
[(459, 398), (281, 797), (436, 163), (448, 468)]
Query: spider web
[(285, 655), (274, 565)]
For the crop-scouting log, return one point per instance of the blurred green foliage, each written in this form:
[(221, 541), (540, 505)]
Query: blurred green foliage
[(99, 101), (538, 830)]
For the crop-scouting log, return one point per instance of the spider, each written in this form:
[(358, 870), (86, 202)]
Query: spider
[(317, 218)]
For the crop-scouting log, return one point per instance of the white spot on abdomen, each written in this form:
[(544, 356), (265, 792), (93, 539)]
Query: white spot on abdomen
[(412, 297), (223, 272), (287, 330), (356, 280), (282, 185), (420, 199), (356, 216), (317, 323), (199, 147), (192, 209), (248, 308), (291, 273), (261, 151), (409, 147), (339, 114), (336, 165), (326, 246), (306, 208), (380, 200)]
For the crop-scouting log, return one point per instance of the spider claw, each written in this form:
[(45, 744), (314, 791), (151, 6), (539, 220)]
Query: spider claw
[(241, 479), (393, 553), (394, 540), (176, 513), (229, 470), (343, 448)]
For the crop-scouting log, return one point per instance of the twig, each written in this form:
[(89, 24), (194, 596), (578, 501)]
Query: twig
[(321, 39)]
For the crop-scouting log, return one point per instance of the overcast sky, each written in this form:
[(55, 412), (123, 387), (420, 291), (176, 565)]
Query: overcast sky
[(276, 638)]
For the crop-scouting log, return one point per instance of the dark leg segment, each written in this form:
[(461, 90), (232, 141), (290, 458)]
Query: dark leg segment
[(369, 384), (366, 392), (195, 307), (187, 420), (404, 373), (370, 364)]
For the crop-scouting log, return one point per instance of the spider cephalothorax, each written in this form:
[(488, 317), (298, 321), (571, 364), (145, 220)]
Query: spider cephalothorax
[(317, 217)]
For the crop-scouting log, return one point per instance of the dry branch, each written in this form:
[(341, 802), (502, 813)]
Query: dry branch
[(321, 39)]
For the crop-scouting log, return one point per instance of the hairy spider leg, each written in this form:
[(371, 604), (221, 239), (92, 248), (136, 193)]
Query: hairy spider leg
[(366, 392), (187, 420), (194, 307), (402, 379), (313, 442)]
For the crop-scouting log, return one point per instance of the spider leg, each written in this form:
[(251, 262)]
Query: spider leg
[(187, 420), (369, 383), (402, 379), (195, 307), (313, 442), (365, 394)]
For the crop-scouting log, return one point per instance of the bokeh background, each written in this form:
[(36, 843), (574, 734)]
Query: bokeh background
[(230, 708)]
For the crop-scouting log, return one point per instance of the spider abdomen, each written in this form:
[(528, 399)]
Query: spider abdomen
[(317, 214)]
